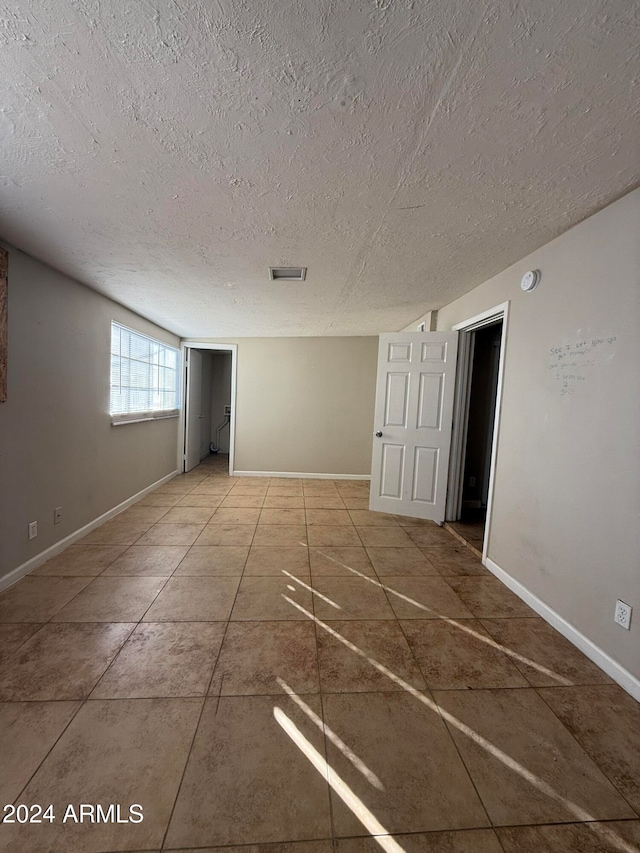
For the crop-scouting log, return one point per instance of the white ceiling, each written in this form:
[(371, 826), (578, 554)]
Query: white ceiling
[(166, 153)]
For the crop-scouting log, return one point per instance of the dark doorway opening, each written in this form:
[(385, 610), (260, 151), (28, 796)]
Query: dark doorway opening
[(485, 363)]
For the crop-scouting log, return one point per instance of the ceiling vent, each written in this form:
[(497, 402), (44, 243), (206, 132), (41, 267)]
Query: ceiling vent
[(287, 273)]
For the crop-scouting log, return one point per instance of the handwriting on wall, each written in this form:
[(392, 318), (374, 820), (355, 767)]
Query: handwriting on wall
[(571, 365)]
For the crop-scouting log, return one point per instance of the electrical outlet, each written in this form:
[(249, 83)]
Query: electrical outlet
[(33, 529), (472, 481), (57, 515), (623, 614)]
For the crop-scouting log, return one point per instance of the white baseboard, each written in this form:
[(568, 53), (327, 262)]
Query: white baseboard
[(620, 675), (33, 563), (298, 475)]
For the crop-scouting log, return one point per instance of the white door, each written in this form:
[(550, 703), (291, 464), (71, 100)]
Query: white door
[(194, 409), (412, 426)]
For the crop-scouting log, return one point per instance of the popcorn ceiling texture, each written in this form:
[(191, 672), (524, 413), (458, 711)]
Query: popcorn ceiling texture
[(167, 153)]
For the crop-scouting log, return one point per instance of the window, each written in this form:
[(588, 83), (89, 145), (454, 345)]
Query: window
[(144, 377)]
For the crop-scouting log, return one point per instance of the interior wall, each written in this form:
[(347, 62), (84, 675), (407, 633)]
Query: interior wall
[(305, 405), (57, 445), (567, 481), (220, 397)]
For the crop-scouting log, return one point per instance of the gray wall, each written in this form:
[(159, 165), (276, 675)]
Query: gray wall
[(57, 445), (305, 404), (567, 493)]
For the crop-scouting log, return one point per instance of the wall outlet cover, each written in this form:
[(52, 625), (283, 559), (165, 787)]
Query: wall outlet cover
[(623, 614)]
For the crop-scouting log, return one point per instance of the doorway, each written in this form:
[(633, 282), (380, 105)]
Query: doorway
[(475, 430), (208, 414)]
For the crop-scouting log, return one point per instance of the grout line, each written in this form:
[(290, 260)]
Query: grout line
[(204, 702), (447, 526), (321, 695)]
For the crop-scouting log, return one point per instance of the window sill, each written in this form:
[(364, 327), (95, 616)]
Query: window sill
[(120, 420)]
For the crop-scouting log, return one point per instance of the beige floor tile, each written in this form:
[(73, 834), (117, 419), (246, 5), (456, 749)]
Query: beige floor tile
[(338, 537), (171, 534), (353, 486), (596, 837), (488, 598), (424, 785), (339, 561), (154, 499), (244, 501), (367, 518), (114, 599), (128, 751), (187, 515), (327, 492), (457, 656), (174, 487), (214, 488), (261, 599), (213, 560), (12, 636), (409, 521), (79, 560), (278, 501), (329, 501), (250, 489), (38, 599), (151, 560), (266, 789), (194, 599), (236, 515), (207, 501), (28, 730), (273, 561), (559, 662), (163, 659), (255, 655), (62, 661), (424, 598), (384, 537), (356, 597), (606, 723), (140, 514), (290, 489), (457, 841), (344, 670), (427, 535), (116, 533), (282, 516), (284, 847), (355, 502), (329, 517), (226, 534), (518, 724), (452, 561), (403, 562), (293, 535)]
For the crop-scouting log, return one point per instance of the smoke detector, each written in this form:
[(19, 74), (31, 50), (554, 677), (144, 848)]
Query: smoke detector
[(530, 280), (287, 273)]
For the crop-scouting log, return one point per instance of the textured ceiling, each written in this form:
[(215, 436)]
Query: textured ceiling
[(166, 153)]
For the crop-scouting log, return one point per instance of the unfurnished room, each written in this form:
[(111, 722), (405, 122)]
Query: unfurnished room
[(319, 426)]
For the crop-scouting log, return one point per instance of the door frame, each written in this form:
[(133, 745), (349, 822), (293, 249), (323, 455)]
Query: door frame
[(233, 349), (461, 412)]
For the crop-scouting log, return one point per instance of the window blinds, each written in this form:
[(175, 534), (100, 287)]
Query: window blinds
[(144, 377)]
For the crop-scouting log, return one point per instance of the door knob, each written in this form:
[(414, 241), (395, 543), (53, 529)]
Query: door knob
[(379, 434)]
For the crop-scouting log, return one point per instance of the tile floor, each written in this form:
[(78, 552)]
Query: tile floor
[(264, 664)]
